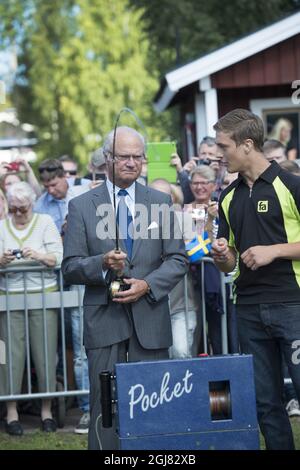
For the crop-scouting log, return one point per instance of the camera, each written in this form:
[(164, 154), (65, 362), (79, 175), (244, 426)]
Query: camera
[(13, 166), (198, 213), (204, 161), (17, 253), (214, 197)]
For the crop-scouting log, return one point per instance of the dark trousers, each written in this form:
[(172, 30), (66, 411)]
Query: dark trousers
[(105, 359), (264, 331), (289, 389), (214, 312)]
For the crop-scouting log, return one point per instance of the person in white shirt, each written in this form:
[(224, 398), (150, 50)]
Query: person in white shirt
[(33, 239)]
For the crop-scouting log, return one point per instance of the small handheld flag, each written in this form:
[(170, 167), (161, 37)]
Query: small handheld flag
[(198, 247)]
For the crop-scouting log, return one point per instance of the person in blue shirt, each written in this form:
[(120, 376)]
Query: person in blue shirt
[(60, 189), (54, 200)]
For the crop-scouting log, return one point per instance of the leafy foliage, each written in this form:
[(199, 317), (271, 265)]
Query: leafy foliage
[(182, 31), (79, 64), (81, 61)]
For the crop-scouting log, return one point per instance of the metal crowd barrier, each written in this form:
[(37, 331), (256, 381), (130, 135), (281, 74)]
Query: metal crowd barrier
[(224, 281), (58, 300), (62, 299)]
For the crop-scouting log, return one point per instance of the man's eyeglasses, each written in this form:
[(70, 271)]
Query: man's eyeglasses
[(71, 172), (125, 158), (22, 209), (200, 183)]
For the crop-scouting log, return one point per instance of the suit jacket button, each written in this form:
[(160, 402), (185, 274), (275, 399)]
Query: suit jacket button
[(131, 266)]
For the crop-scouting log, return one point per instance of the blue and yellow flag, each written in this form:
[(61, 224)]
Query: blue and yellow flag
[(198, 247)]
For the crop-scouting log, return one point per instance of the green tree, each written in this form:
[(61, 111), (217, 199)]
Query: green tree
[(181, 31), (80, 62)]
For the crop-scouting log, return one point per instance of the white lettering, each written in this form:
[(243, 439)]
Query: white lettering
[(160, 223), (296, 94), (116, 460), (187, 388), (295, 358), (2, 92), (178, 390), (106, 227), (2, 353), (164, 389), (135, 401), (152, 398), (145, 403), (166, 394), (140, 227)]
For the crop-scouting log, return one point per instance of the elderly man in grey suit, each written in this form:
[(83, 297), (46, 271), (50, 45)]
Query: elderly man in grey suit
[(135, 324)]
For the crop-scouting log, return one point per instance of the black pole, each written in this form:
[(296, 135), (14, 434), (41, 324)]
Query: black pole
[(114, 183), (106, 400)]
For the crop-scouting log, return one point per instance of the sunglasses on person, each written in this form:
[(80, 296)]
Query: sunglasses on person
[(48, 168), (71, 172), (22, 209)]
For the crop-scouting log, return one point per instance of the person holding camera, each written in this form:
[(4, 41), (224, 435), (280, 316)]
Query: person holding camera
[(11, 173), (35, 239), (208, 154)]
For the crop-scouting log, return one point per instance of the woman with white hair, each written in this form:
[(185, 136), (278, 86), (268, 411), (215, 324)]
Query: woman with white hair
[(34, 238)]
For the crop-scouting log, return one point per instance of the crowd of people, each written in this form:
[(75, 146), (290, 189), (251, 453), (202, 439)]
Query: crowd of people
[(159, 313)]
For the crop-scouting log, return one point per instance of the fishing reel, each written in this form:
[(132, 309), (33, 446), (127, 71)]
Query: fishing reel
[(118, 285)]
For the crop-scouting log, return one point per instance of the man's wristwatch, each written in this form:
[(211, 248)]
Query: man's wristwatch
[(149, 288)]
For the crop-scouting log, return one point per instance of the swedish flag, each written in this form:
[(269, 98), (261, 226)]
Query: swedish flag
[(198, 247)]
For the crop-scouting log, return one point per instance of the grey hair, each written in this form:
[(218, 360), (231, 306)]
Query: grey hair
[(210, 141), (109, 139), (204, 171), (97, 158), (21, 191)]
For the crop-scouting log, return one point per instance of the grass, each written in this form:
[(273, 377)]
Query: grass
[(40, 441), (296, 431), (69, 441), (295, 422)]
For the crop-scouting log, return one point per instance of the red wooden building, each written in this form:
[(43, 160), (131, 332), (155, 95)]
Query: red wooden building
[(260, 72)]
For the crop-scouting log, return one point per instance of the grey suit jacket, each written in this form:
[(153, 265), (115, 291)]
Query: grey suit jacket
[(161, 261)]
